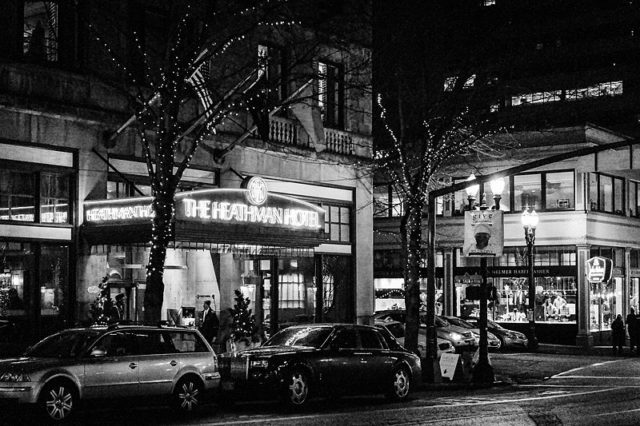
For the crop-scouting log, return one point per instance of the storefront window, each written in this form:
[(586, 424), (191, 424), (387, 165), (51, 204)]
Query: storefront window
[(19, 200), (527, 192), (559, 190), (16, 279), (634, 292), (54, 280), (605, 304), (17, 196), (54, 198), (338, 291)]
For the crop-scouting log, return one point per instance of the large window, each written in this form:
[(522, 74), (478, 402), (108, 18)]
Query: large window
[(559, 190), (20, 201), (34, 285), (337, 223), (330, 95), (606, 193), (527, 192), (17, 196)]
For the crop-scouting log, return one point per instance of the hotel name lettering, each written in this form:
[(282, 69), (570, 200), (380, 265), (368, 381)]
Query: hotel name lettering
[(239, 212)]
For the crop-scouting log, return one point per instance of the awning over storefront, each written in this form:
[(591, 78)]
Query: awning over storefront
[(242, 216)]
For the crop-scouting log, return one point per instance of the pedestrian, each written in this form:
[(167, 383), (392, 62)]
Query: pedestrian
[(617, 335), (209, 323), (632, 328)]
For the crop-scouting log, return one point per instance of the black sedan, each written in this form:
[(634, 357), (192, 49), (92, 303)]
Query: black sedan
[(321, 359)]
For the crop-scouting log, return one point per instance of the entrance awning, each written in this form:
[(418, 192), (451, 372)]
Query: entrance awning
[(235, 216)]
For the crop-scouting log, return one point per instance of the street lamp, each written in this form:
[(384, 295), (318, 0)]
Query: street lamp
[(483, 371), (472, 191), (529, 223), (497, 186)]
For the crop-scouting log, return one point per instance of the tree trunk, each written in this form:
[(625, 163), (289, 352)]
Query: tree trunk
[(411, 228), (160, 236)]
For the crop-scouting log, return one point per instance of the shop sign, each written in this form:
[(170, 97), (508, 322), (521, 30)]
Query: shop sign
[(483, 233), (599, 269), (251, 205)]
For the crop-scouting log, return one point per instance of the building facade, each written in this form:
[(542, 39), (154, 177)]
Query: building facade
[(73, 209)]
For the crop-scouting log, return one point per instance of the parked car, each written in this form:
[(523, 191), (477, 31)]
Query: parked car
[(397, 330), (315, 359), (461, 339), (492, 341), (111, 362), (510, 339)]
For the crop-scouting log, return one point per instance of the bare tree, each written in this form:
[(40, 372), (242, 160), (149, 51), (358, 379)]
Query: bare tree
[(434, 103), (197, 73)]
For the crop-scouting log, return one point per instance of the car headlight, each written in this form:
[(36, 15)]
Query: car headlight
[(475, 335), (14, 377), (455, 336), (259, 363)]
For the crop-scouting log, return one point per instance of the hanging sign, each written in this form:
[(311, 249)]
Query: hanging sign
[(483, 233), (599, 269)]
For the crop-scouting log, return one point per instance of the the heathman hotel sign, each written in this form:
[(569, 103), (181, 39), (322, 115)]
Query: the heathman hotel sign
[(251, 205)]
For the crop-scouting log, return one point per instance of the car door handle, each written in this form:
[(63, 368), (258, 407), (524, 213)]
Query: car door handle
[(363, 353), (133, 365), (173, 363)]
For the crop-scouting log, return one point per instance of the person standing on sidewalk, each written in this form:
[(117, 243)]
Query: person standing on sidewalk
[(617, 334), (632, 328)]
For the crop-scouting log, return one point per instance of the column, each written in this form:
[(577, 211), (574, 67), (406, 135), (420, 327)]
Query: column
[(583, 308), (626, 283), (449, 285)]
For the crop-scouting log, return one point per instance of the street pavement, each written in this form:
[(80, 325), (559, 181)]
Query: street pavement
[(531, 389)]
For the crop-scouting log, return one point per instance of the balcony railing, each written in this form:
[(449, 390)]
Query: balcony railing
[(284, 131), (339, 142)]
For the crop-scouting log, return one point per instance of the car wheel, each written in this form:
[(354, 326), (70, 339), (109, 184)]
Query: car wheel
[(296, 391), (187, 396), (400, 385), (58, 401)]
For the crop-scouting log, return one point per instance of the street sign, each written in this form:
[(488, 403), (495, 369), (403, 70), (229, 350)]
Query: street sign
[(483, 233), (599, 269)]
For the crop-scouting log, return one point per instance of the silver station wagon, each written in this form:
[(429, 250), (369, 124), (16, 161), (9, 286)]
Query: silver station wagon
[(110, 362)]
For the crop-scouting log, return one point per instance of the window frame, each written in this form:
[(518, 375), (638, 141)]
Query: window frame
[(599, 203), (337, 112), (37, 170)]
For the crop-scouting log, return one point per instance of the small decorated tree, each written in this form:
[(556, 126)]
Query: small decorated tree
[(244, 323), (100, 308)]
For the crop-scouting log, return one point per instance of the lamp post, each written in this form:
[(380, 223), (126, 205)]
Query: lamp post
[(529, 223), (483, 371)]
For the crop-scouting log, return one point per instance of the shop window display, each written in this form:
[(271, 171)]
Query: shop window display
[(604, 303)]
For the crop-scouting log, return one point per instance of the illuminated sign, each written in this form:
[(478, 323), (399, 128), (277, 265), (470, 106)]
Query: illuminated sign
[(483, 233), (599, 269), (250, 205), (256, 190)]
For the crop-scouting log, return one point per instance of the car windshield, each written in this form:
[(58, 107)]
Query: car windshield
[(441, 322), (300, 336), (460, 323), (67, 344)]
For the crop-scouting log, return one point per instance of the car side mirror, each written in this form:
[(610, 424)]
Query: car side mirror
[(98, 353)]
